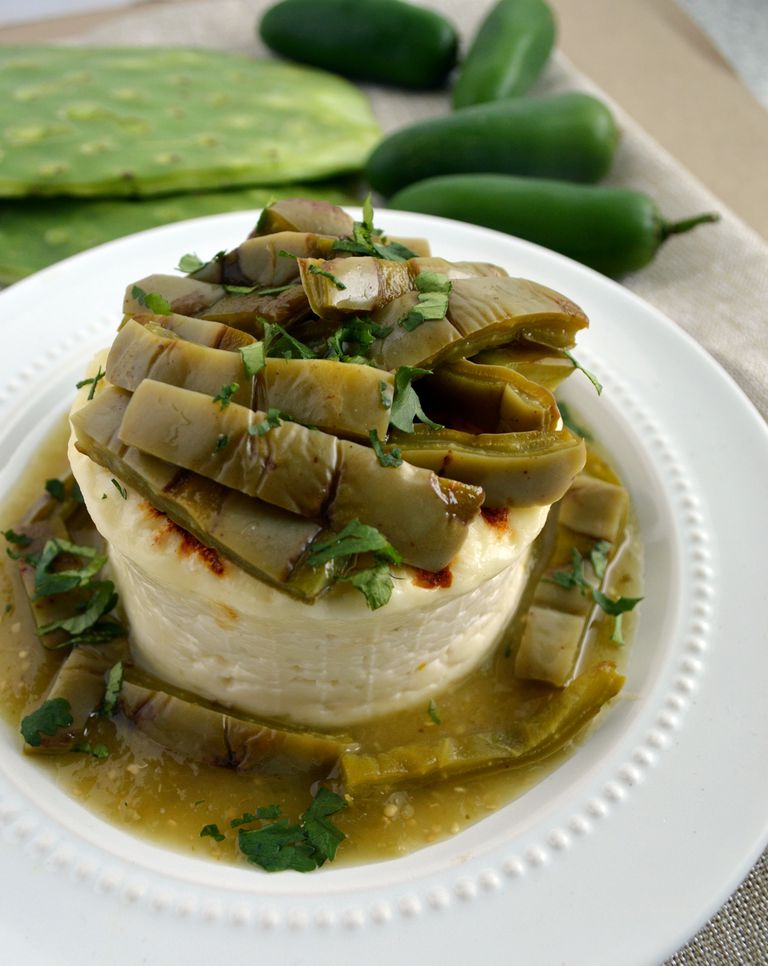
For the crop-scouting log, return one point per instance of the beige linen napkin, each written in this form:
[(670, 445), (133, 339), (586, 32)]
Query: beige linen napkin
[(712, 282)]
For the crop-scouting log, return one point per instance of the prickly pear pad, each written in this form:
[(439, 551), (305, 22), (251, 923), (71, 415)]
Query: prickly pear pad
[(138, 121)]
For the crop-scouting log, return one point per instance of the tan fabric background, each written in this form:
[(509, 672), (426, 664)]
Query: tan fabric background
[(712, 282)]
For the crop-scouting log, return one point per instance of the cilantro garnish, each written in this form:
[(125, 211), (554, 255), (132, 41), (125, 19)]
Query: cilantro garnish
[(432, 302), (316, 270), (224, 396), (253, 358), (302, 847), (356, 537), (353, 339), (433, 713), (284, 254), (47, 583), (278, 342), (577, 365), (92, 382), (48, 719), (152, 301), (365, 240), (221, 442), (120, 488), (189, 263), (95, 751), (212, 830), (391, 458), (612, 606), (55, 488), (19, 539), (113, 688), (406, 406), (374, 583), (103, 598), (272, 419), (570, 423)]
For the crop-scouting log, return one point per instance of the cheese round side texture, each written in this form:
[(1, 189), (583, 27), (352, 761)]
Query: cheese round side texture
[(224, 635)]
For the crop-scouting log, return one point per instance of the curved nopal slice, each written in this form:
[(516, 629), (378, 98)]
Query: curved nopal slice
[(139, 352), (547, 367), (80, 682), (514, 469), (490, 399), (250, 310), (342, 398), (213, 335), (258, 260), (303, 470), (482, 313), (266, 542), (215, 737), (186, 296), (548, 730), (303, 215), (455, 270), (342, 286)]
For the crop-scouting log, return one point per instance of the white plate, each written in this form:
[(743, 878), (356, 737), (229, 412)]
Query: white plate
[(617, 857)]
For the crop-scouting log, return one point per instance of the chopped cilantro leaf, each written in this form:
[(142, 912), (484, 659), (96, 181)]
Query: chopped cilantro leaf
[(245, 819), (19, 539), (101, 601), (316, 270), (272, 420), (95, 751), (392, 458), (120, 488), (598, 557), (355, 538), (268, 811), (212, 831), (302, 847), (284, 254), (362, 241), (253, 358), (570, 423), (92, 382), (577, 365), (47, 583), (224, 396), (48, 719), (189, 263), (354, 338), (433, 713), (432, 302), (55, 488), (278, 342), (374, 583), (113, 688), (406, 406), (222, 442), (152, 301)]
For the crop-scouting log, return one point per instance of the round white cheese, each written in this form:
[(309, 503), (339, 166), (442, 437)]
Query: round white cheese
[(226, 636)]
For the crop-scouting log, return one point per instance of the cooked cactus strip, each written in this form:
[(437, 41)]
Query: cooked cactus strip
[(214, 335), (549, 646), (547, 367), (264, 541), (482, 313), (258, 261), (185, 296), (214, 737), (340, 286), (80, 682), (304, 471), (549, 729), (455, 270), (514, 469), (306, 215), (342, 398), (146, 121), (250, 310), (595, 508), (36, 233), (488, 399)]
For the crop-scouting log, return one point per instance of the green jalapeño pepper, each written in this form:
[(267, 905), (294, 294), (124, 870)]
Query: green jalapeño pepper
[(613, 230)]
